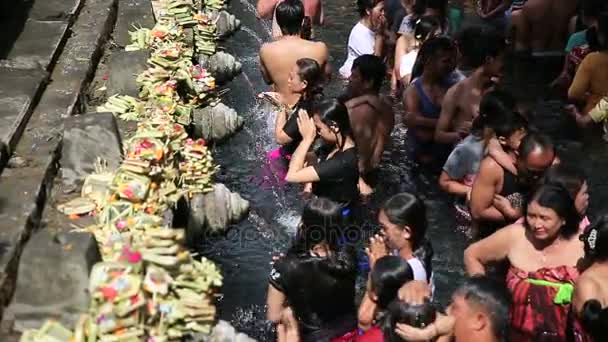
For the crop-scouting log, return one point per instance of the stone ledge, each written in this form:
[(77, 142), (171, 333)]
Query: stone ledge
[(25, 189)]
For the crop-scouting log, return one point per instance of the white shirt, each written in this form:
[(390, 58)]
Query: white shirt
[(360, 42), (418, 269), (406, 65)]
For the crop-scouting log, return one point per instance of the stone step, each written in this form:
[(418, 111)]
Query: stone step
[(36, 48), (24, 190)]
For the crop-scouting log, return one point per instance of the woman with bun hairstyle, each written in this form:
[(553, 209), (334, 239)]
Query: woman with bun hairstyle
[(590, 299)]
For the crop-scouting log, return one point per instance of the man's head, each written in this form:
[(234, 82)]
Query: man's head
[(466, 43), (488, 52), (367, 75), (290, 15), (481, 310), (536, 155)]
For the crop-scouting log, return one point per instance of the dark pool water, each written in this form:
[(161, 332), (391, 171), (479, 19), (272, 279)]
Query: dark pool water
[(245, 252)]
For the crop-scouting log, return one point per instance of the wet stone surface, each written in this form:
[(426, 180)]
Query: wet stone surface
[(123, 68)]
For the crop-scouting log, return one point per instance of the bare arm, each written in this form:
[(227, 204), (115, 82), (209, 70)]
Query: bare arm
[(580, 85), (495, 247), (265, 8), (500, 156), (413, 117), (298, 172), (451, 186), (483, 191), (275, 300), (443, 134), (400, 51), (367, 312), (504, 5)]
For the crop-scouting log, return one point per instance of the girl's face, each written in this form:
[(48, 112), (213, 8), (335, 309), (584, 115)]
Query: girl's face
[(326, 132), (544, 223), (295, 84), (376, 15), (394, 236), (581, 200)]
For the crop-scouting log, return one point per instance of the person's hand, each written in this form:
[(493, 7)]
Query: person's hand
[(287, 329), (273, 97), (503, 205), (414, 292), (468, 197), (409, 333), (465, 129), (377, 249), (572, 110), (306, 125)]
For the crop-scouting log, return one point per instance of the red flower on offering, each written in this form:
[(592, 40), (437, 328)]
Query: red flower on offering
[(109, 293)]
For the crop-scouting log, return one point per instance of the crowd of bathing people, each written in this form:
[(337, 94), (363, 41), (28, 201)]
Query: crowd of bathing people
[(537, 266)]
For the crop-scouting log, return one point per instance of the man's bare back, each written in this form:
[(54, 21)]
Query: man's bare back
[(547, 22), (372, 121), (278, 58)]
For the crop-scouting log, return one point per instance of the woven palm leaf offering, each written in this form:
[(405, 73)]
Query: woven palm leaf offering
[(197, 168)]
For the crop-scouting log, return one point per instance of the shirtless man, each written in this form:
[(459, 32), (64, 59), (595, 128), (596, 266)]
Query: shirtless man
[(313, 9), (279, 57), (371, 116), (461, 102), (542, 25)]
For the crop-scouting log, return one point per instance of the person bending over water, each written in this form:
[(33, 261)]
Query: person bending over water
[(403, 221), (336, 174), (313, 11), (316, 278), (367, 37), (543, 253), (461, 102), (424, 97), (590, 298), (371, 116), (278, 58)]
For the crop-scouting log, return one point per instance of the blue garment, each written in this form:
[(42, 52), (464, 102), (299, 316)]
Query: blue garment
[(427, 107), (576, 39)]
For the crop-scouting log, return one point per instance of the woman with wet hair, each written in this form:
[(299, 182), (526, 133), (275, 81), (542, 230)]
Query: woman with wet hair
[(316, 278), (336, 174), (367, 37), (590, 299), (543, 253)]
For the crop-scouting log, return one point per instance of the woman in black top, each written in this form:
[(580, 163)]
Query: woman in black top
[(316, 278), (304, 82), (336, 175)]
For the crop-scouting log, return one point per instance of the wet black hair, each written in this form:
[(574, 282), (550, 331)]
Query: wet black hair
[(321, 222), (386, 278), (595, 239), (558, 199), (364, 5), (334, 113), (371, 69), (320, 289), (290, 15), (430, 49), (493, 298), (594, 319), (425, 27), (466, 41), (533, 141), (310, 71), (405, 209), (496, 112), (490, 43), (440, 6), (568, 176), (418, 316)]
